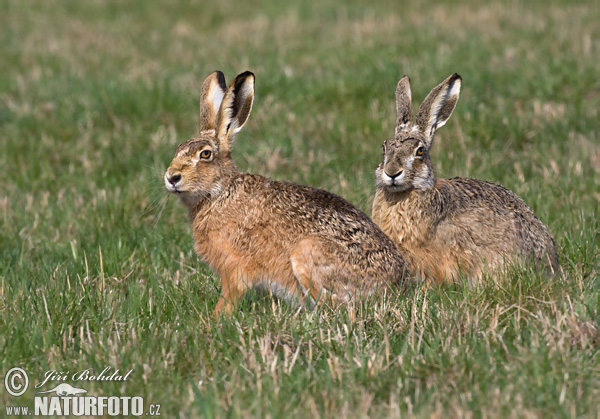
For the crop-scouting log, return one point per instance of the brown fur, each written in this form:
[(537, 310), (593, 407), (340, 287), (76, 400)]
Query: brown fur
[(447, 227), (296, 240)]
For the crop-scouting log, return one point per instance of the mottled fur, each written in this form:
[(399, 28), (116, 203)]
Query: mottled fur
[(447, 227), (296, 240)]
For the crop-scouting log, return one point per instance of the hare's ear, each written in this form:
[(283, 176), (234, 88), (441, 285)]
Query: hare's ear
[(235, 109), (403, 104), (438, 106), (213, 91)]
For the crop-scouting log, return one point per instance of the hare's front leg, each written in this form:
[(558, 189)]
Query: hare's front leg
[(231, 292)]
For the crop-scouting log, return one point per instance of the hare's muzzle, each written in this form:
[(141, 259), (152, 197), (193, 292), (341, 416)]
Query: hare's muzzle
[(394, 176), (392, 179), (171, 181)]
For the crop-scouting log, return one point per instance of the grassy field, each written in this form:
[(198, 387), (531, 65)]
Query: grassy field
[(96, 262)]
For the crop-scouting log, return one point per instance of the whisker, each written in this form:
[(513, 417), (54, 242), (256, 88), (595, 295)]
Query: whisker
[(155, 187), (163, 205), (152, 205)]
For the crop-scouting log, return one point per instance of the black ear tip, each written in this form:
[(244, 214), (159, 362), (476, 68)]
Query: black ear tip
[(242, 78), (246, 74), (455, 77), (220, 78)]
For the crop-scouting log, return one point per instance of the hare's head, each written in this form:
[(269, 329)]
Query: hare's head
[(202, 166), (406, 163)]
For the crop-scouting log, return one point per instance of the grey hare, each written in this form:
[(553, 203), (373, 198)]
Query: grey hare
[(447, 227)]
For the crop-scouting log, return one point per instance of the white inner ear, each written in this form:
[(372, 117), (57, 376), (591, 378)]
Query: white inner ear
[(248, 87), (215, 98), (434, 123), (246, 90), (454, 92), (455, 88)]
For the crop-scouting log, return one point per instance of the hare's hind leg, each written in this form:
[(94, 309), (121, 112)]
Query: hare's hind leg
[(314, 265)]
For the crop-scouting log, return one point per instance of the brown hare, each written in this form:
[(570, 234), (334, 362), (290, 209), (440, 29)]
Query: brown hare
[(292, 239), (447, 227)]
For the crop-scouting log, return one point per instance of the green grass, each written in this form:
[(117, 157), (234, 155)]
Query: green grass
[(96, 263)]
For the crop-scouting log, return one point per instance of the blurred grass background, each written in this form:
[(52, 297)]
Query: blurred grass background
[(97, 266)]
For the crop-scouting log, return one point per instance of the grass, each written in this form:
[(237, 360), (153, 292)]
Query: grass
[(97, 267)]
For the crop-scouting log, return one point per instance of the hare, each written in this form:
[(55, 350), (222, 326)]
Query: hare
[(447, 227), (296, 240)]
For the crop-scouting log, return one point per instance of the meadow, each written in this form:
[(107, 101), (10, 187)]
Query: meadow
[(97, 265)]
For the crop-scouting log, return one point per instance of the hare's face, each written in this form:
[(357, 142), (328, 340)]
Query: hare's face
[(406, 164), (198, 169), (202, 167)]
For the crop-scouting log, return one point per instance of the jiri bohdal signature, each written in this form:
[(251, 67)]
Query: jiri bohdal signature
[(85, 375)]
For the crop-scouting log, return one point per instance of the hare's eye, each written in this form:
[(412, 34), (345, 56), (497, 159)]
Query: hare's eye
[(420, 151), (205, 154)]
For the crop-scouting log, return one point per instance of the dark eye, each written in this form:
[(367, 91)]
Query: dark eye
[(205, 154), (420, 151)]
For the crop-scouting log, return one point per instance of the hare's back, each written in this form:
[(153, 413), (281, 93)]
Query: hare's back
[(467, 194), (317, 211), (301, 211), (494, 216)]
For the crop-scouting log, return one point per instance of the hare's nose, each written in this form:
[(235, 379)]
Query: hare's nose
[(394, 176), (174, 179)]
